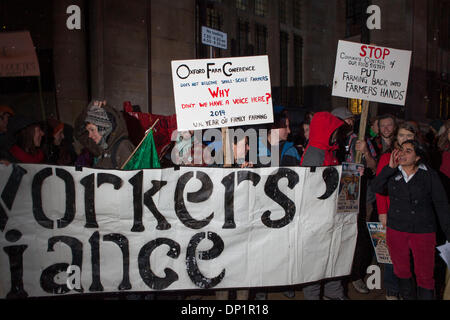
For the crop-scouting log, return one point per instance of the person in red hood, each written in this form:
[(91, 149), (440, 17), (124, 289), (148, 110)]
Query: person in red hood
[(322, 146), (321, 151)]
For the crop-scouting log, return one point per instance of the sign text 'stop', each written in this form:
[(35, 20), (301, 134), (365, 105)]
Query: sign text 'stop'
[(371, 73)]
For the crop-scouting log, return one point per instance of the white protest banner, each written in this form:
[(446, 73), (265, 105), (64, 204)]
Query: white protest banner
[(219, 93), (167, 229), (17, 55), (371, 73)]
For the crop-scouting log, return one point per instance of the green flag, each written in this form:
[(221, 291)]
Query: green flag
[(146, 156)]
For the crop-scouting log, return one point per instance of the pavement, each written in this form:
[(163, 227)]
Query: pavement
[(277, 294)]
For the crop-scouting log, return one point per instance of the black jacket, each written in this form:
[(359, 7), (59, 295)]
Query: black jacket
[(413, 205)]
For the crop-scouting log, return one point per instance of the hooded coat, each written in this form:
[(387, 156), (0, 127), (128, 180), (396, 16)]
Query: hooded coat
[(319, 152), (119, 146)]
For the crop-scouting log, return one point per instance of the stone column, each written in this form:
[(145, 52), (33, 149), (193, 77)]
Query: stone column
[(69, 60)]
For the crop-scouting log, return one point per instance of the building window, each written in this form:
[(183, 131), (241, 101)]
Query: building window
[(242, 4), (283, 11), (243, 38), (298, 69), (261, 8), (284, 43), (261, 39), (355, 16), (297, 11), (445, 26), (355, 106), (213, 19)]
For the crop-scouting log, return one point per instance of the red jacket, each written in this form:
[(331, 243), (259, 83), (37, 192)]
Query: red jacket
[(25, 157), (322, 126), (382, 201), (445, 165)]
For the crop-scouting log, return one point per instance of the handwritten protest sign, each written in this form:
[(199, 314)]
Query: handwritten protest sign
[(17, 55), (219, 93), (371, 73), (167, 229)]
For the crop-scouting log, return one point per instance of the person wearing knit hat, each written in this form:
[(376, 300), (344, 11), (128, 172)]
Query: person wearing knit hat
[(98, 125), (103, 131)]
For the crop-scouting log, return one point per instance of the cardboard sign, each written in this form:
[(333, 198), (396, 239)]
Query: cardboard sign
[(218, 93), (214, 38), (17, 55), (167, 229), (371, 73)]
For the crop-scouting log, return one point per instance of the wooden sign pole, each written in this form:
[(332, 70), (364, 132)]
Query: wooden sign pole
[(362, 127)]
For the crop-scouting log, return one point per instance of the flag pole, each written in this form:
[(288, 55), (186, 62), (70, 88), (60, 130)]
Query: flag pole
[(140, 143)]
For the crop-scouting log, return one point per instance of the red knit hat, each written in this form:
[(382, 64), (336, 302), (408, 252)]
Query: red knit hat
[(6, 109), (58, 128)]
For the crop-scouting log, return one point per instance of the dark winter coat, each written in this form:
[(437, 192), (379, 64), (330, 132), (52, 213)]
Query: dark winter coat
[(119, 146), (411, 204)]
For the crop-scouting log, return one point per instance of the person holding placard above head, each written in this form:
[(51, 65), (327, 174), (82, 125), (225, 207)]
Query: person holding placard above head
[(415, 194), (240, 150), (364, 250)]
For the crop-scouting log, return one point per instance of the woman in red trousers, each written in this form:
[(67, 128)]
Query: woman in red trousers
[(415, 193)]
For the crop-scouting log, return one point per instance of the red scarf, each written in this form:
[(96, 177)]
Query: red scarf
[(25, 157)]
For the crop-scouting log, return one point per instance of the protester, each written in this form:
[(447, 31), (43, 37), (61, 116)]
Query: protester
[(444, 171), (364, 250), (279, 131), (321, 151), (240, 150), (405, 131), (413, 189), (444, 148), (302, 138), (374, 130), (28, 135), (6, 139), (105, 135), (387, 126), (189, 150), (58, 150)]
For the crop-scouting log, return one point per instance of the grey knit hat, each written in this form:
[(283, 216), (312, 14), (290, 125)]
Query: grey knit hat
[(342, 113), (99, 117)]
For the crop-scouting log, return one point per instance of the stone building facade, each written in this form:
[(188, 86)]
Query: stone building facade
[(124, 48)]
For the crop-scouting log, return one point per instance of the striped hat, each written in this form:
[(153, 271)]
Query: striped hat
[(99, 117)]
